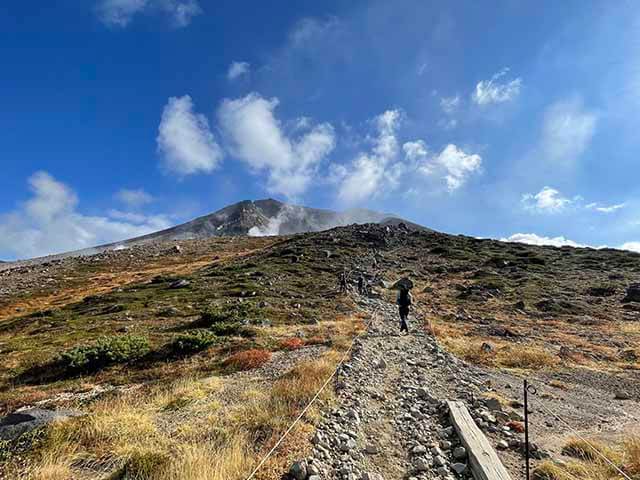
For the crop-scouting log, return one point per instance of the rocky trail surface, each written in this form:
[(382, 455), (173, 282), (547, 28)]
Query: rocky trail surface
[(391, 421)]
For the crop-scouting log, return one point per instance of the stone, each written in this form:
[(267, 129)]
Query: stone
[(371, 449), (621, 395), (380, 363), (419, 449), (633, 293), (370, 476), (348, 445), (486, 347), (439, 461), (459, 468), (422, 465), (20, 422), (493, 404), (298, 470), (459, 453), (502, 445), (179, 284)]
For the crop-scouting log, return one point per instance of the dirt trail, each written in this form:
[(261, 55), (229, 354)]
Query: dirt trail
[(388, 423)]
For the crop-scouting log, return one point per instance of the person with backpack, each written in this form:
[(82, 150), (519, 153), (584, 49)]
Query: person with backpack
[(404, 301)]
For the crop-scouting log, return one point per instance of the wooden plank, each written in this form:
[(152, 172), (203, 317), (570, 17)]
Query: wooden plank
[(483, 459)]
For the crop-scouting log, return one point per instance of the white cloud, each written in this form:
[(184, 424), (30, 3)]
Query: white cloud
[(533, 239), (547, 200), (155, 222), (605, 208), (369, 171), (309, 29), (449, 105), (492, 91), (567, 131), (257, 138), (49, 223), (453, 164), (120, 13), (134, 198), (181, 12), (415, 152), (238, 69), (631, 246), (447, 123), (185, 141)]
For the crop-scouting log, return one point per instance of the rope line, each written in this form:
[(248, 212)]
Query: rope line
[(598, 452), (315, 397)]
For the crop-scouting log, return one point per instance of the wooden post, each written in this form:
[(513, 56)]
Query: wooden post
[(483, 459)]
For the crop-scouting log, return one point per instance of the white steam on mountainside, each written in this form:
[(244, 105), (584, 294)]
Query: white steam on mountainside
[(294, 218)]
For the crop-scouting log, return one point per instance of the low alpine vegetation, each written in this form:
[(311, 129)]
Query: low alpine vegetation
[(248, 359), (193, 341), (106, 351)]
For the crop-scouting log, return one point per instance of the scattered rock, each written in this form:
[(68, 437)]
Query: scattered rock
[(298, 470), (20, 422), (179, 284), (621, 395), (633, 293)]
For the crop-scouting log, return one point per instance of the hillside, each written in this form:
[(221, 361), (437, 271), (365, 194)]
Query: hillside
[(221, 342), (246, 218)]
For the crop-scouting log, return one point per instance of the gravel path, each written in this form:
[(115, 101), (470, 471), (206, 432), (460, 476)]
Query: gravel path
[(390, 422)]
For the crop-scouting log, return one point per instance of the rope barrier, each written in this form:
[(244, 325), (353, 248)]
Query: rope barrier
[(315, 397)]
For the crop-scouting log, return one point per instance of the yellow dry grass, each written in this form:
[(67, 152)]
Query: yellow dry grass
[(520, 356), (128, 434), (588, 464)]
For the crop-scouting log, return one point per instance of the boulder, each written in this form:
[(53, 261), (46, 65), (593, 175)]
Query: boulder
[(633, 293), (298, 471), (179, 284), (20, 422)]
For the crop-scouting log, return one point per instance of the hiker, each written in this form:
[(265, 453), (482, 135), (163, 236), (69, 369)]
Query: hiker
[(344, 287), (404, 301), (361, 285)]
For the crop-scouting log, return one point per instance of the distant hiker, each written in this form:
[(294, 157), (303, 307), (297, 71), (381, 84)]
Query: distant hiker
[(344, 287), (361, 285), (404, 301)]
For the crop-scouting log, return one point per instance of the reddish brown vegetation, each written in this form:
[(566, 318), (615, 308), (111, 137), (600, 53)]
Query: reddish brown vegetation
[(248, 359), (293, 343)]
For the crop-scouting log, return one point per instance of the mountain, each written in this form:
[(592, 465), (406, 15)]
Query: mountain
[(247, 218), (262, 218)]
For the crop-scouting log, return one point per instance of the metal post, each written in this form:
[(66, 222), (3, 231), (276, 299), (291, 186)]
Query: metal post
[(526, 426)]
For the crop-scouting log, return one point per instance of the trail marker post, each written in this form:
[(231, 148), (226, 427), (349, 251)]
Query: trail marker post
[(527, 388)]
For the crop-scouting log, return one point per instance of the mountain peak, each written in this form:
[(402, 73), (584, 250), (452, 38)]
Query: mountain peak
[(263, 217)]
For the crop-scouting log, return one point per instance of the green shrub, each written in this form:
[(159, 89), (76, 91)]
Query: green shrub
[(193, 341), (106, 351), (224, 329), (236, 313)]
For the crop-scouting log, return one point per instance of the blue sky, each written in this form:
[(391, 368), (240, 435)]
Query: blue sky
[(503, 119)]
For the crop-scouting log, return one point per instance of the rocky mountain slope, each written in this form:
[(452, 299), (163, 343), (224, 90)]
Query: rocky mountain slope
[(257, 218), (220, 342)]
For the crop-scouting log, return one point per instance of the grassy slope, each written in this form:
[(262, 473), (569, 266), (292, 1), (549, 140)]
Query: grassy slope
[(466, 291)]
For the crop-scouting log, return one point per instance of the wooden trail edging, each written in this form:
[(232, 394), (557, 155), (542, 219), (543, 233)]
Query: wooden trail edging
[(483, 459)]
